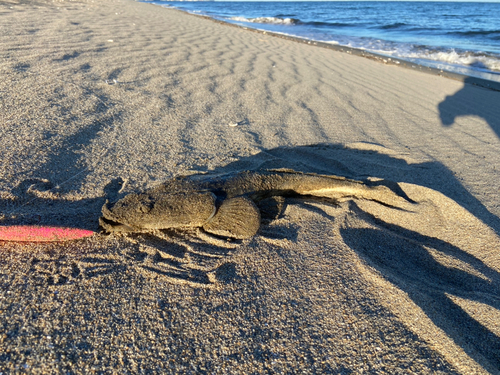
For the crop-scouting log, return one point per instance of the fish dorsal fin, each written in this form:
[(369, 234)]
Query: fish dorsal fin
[(283, 170), (237, 218), (292, 171)]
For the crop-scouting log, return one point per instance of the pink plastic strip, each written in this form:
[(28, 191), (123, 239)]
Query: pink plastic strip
[(32, 233)]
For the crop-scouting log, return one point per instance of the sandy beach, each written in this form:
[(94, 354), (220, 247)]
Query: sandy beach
[(99, 99)]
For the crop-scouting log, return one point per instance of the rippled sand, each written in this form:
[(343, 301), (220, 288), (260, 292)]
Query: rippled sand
[(99, 99)]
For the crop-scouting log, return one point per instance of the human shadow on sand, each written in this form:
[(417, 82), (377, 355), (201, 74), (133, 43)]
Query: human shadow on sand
[(402, 257), (471, 100)]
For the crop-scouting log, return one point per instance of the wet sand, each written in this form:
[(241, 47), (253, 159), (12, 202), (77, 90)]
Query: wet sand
[(100, 99)]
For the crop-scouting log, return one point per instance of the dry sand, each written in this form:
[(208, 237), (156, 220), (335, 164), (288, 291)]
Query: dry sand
[(98, 99)]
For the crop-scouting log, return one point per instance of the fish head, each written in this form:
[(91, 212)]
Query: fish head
[(153, 210)]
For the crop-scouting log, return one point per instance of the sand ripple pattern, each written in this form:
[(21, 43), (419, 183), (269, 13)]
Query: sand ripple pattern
[(99, 99)]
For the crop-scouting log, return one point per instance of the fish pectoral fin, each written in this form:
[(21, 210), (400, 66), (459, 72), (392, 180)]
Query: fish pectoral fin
[(236, 218), (394, 187), (271, 208)]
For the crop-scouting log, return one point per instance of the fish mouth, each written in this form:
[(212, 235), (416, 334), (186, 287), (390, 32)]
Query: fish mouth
[(111, 226), (109, 223)]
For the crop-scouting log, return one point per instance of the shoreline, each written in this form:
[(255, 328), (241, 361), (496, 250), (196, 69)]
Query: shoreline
[(476, 81)]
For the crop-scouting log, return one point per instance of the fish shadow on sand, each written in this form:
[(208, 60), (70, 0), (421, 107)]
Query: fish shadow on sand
[(359, 164), (402, 257), (471, 100)]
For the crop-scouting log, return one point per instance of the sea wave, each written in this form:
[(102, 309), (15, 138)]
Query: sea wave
[(286, 15), (329, 24), (477, 33), (451, 57), (391, 26), (268, 20), (282, 20)]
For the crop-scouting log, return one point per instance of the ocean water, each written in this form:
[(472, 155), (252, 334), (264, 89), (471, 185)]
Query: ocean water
[(455, 36)]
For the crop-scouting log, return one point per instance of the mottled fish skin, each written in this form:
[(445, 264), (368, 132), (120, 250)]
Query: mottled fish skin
[(226, 205)]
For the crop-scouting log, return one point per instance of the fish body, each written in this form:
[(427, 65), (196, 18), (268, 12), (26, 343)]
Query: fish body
[(228, 205)]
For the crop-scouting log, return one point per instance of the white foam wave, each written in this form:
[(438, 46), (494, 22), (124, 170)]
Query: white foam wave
[(269, 20), (474, 61), (448, 59)]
